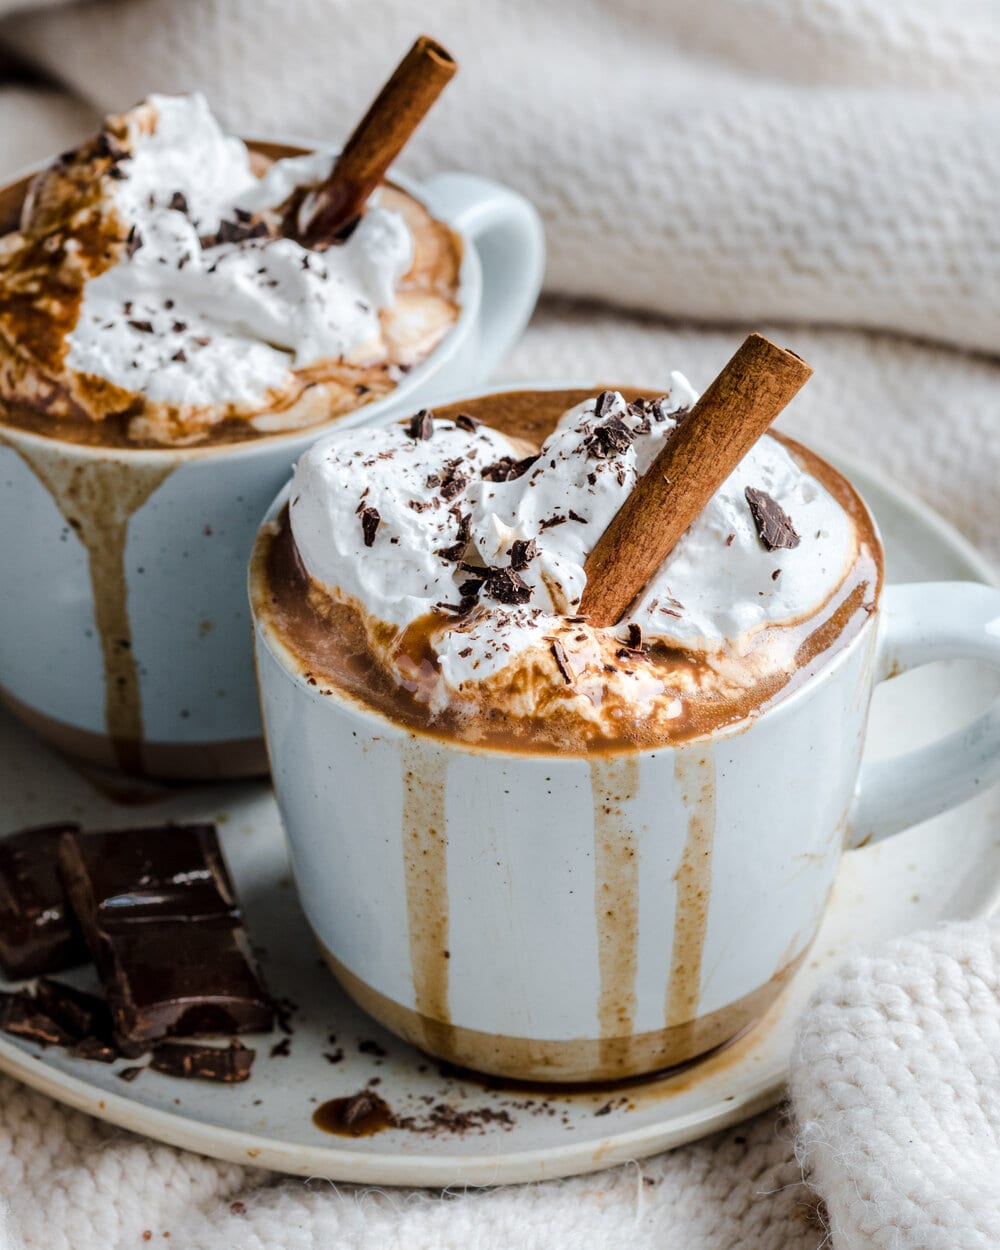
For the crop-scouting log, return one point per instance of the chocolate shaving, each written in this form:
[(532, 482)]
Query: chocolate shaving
[(774, 525), (145, 327), (370, 521), (133, 242), (236, 232), (180, 356), (575, 516), (552, 521), (559, 655), (522, 552), (635, 636), (420, 426), (453, 484), (178, 202), (467, 423)]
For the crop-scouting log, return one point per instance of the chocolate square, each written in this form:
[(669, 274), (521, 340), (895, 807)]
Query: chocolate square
[(38, 932), (161, 922), (173, 872)]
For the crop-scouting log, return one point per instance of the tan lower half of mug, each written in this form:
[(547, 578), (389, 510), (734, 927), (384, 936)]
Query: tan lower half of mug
[(575, 1060), (167, 761)]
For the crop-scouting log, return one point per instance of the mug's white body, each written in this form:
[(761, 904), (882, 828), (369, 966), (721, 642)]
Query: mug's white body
[(558, 917), (176, 695)]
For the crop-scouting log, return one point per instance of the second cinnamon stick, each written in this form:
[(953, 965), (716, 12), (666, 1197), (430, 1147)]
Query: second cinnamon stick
[(732, 414)]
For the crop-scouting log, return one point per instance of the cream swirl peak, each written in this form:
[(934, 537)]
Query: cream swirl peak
[(190, 306), (452, 533)]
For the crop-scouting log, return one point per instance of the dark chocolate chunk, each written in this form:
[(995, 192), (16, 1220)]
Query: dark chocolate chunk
[(370, 521), (507, 469), (774, 525), (609, 439), (160, 918), (79, 1014), (21, 1016), (562, 663), (226, 1065), (522, 552), (453, 484), (467, 423), (178, 202), (604, 404), (38, 932), (96, 1049), (421, 425), (506, 586)]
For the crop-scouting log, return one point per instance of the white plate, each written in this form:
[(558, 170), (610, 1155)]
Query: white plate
[(947, 868)]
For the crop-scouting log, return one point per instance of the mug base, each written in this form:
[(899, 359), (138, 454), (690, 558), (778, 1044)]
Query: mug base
[(573, 1061), (223, 760)]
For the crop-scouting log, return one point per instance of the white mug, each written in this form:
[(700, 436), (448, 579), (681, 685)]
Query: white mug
[(568, 918), (124, 631)]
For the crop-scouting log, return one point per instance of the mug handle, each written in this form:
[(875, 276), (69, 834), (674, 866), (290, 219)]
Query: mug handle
[(919, 624), (508, 235)]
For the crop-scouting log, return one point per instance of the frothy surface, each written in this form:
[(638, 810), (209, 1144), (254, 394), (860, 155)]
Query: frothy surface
[(193, 302), (463, 553)]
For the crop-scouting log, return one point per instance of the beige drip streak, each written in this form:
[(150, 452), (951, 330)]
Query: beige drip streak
[(694, 769), (615, 781), (98, 498), (425, 859)]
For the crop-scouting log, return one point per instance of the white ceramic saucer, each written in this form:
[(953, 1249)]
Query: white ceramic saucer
[(947, 868)]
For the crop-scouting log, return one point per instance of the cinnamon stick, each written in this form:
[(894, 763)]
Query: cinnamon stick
[(321, 213), (724, 424)]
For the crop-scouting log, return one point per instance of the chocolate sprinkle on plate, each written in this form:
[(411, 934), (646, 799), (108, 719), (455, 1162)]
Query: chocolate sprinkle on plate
[(370, 521), (774, 525), (420, 427)]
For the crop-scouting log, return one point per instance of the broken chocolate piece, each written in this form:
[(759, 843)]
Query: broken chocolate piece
[(467, 423), (774, 525), (21, 1016), (609, 438), (522, 552), (605, 402), (38, 932), (505, 586), (81, 1015), (507, 469), (159, 916), (370, 521), (226, 1065), (421, 425)]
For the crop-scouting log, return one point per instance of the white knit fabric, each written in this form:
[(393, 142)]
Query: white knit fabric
[(830, 162), (897, 1093)]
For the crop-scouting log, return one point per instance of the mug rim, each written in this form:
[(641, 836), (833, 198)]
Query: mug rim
[(347, 703), (469, 296)]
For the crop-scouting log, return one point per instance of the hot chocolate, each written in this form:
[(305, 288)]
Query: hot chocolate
[(156, 293), (433, 569)]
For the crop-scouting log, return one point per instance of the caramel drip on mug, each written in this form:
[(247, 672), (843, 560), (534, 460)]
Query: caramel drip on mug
[(694, 769), (614, 783), (425, 861), (98, 498)]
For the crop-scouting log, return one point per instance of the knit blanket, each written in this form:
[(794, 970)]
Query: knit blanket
[(826, 172)]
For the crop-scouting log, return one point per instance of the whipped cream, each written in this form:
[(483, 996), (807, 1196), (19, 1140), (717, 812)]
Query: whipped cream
[(402, 526), (185, 316)]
